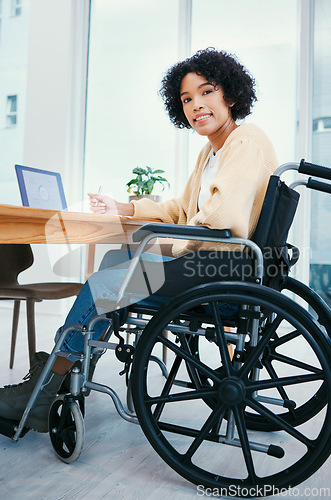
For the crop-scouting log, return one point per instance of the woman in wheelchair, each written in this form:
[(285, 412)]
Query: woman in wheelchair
[(209, 93)]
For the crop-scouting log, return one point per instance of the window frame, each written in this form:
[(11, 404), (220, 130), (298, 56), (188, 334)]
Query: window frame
[(11, 115), (15, 8), (1, 7)]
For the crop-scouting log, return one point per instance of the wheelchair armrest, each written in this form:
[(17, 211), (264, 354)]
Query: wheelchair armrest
[(177, 230), (156, 230)]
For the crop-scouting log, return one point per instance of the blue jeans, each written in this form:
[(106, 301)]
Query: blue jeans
[(99, 295)]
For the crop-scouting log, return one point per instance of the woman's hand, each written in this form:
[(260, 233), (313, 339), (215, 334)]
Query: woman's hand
[(102, 204)]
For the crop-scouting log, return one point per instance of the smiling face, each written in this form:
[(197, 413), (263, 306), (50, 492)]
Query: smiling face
[(205, 108)]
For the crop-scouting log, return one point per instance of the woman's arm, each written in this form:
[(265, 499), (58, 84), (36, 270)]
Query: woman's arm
[(167, 211), (102, 204)]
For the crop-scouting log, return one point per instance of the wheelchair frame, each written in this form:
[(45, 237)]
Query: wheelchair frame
[(201, 379)]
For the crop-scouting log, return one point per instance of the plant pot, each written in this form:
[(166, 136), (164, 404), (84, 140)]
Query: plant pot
[(150, 196)]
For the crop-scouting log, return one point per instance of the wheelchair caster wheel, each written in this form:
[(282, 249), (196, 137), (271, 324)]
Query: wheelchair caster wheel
[(66, 430)]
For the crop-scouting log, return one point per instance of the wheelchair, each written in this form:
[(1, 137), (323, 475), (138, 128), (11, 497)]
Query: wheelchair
[(247, 369)]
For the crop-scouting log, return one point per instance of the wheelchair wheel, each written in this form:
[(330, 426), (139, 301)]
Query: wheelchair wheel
[(66, 430), (200, 428), (293, 412), (315, 403), (316, 305), (300, 413)]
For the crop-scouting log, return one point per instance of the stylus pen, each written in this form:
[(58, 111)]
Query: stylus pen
[(99, 192)]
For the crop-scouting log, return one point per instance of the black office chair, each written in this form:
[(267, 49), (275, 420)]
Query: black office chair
[(13, 260)]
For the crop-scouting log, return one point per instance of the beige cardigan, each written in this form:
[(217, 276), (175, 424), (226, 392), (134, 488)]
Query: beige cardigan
[(245, 164)]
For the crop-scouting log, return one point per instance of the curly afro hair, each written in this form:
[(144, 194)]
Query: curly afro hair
[(219, 68)]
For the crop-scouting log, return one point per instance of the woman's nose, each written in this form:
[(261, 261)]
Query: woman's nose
[(197, 106)]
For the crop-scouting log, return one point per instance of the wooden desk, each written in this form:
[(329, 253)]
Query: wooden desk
[(34, 225)]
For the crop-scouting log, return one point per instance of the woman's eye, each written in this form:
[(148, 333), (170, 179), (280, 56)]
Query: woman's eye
[(207, 92), (186, 100)]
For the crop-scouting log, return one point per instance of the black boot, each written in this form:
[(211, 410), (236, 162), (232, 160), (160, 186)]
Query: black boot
[(14, 398)]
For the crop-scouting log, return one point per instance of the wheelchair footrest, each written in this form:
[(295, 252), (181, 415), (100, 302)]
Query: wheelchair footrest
[(8, 427)]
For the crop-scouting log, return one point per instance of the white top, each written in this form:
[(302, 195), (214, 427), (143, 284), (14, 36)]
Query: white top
[(207, 178)]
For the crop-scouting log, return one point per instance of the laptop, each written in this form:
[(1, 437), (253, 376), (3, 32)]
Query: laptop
[(40, 188)]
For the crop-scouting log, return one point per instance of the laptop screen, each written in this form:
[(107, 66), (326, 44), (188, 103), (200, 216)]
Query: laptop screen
[(40, 188)]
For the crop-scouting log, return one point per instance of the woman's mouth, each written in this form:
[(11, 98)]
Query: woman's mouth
[(202, 118)]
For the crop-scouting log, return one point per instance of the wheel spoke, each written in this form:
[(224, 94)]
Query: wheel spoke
[(296, 379), (191, 371), (167, 386), (62, 418), (202, 367), (187, 431), (182, 396), (286, 338), (260, 347), (298, 364), (242, 432), (274, 376), (262, 410), (223, 347), (208, 425), (68, 438)]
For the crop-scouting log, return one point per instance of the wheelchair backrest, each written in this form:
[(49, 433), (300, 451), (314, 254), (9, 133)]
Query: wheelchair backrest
[(277, 214)]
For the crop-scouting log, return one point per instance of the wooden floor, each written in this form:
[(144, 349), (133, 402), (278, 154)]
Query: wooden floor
[(117, 461)]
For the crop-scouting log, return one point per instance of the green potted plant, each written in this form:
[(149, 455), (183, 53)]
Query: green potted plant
[(143, 184)]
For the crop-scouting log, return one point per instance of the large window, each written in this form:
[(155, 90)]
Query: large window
[(14, 43), (320, 235), (131, 45), (264, 37)]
